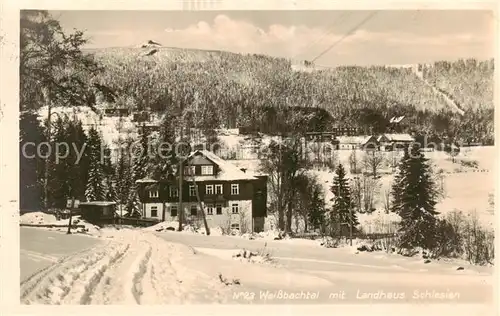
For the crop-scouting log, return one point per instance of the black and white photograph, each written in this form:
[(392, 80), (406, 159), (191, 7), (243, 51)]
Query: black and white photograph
[(206, 156)]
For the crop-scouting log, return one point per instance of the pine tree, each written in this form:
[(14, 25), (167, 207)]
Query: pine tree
[(58, 184), (342, 206), (31, 165), (415, 196), (398, 183), (140, 169), (109, 176), (317, 208), (95, 185), (123, 179), (165, 158), (78, 166)]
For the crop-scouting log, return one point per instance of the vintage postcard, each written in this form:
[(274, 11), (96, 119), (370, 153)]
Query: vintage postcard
[(293, 156)]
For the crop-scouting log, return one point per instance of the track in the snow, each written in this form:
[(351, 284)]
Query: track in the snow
[(135, 269)]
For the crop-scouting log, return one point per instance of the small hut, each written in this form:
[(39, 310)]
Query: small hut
[(98, 212)]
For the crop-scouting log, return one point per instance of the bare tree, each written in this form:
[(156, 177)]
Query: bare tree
[(245, 226), (354, 163), (372, 160), (439, 178), (357, 193), (370, 188), (285, 165), (386, 200), (393, 160)]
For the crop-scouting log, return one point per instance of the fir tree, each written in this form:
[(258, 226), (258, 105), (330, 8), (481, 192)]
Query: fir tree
[(123, 179), (140, 169), (342, 206), (77, 166), (415, 196), (31, 165), (398, 183), (165, 158), (58, 184), (109, 175), (95, 185), (317, 208)]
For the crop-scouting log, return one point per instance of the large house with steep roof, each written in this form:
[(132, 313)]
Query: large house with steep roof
[(232, 198), (395, 141)]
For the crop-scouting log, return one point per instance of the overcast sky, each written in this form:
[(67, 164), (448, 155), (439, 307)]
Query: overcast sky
[(386, 37)]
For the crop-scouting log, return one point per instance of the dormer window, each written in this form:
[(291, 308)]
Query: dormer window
[(235, 189), (207, 170), (174, 192), (189, 170), (153, 194)]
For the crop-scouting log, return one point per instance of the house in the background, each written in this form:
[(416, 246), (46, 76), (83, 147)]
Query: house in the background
[(389, 142), (231, 197), (356, 142)]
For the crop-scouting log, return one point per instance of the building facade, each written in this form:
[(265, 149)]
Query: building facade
[(232, 198), (395, 141)]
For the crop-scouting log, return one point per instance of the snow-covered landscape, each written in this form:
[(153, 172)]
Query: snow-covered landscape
[(152, 174), (137, 266)]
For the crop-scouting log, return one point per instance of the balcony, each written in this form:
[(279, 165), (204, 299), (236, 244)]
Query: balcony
[(214, 198)]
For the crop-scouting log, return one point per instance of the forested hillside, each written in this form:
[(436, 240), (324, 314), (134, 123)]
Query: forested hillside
[(239, 90)]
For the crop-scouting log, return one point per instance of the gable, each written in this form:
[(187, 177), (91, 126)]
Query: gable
[(383, 138), (198, 160)]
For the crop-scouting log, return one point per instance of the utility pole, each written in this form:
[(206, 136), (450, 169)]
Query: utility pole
[(47, 161), (339, 225), (73, 193), (350, 226)]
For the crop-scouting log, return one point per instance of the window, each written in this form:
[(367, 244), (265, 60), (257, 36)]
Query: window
[(235, 226), (210, 209), (173, 210), (153, 194), (189, 170), (174, 192), (209, 189), (154, 211), (235, 208), (194, 210), (207, 170), (235, 189), (218, 189), (218, 209), (192, 190)]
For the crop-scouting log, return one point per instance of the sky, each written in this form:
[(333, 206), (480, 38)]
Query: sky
[(329, 38)]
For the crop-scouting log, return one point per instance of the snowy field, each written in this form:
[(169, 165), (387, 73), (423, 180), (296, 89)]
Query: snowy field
[(467, 189), (140, 267)]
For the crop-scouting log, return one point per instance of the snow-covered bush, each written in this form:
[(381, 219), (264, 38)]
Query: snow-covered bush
[(479, 242)]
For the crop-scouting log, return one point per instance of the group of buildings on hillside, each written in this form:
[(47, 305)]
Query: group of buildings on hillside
[(383, 142), (231, 197)]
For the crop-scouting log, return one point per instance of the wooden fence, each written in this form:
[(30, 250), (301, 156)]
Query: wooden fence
[(372, 236)]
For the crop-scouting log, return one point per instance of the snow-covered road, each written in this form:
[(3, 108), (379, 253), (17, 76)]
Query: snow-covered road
[(133, 268)]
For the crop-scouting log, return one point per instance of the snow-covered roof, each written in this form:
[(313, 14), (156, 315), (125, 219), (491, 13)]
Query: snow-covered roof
[(353, 139), (146, 180), (227, 170), (398, 137), (396, 119), (98, 203)]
